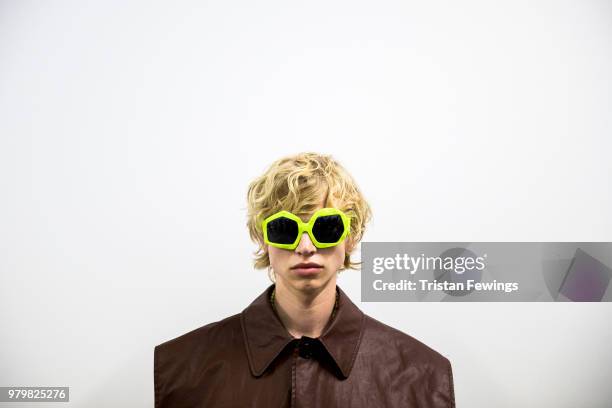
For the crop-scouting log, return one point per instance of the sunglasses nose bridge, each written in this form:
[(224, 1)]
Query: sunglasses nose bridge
[(305, 243)]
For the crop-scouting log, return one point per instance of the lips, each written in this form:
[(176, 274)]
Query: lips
[(306, 265)]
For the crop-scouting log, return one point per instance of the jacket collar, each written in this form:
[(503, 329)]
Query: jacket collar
[(265, 336)]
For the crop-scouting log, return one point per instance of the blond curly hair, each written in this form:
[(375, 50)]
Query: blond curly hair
[(299, 183)]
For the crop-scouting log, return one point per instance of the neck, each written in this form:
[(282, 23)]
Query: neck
[(305, 313)]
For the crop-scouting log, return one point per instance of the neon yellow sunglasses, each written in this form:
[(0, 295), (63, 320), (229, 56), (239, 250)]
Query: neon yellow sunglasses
[(326, 228)]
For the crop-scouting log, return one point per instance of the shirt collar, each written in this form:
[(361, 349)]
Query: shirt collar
[(265, 336)]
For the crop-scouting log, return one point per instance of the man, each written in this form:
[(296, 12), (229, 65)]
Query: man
[(302, 342)]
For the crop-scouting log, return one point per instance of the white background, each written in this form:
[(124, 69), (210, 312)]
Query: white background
[(129, 132)]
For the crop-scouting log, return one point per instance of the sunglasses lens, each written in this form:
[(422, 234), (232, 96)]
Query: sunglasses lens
[(328, 229), (282, 230)]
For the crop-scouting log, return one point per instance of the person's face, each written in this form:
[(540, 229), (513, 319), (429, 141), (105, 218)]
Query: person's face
[(284, 262)]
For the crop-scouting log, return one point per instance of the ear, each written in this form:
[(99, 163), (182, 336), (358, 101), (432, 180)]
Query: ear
[(349, 246)]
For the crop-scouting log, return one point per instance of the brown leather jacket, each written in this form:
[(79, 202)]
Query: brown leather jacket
[(250, 360)]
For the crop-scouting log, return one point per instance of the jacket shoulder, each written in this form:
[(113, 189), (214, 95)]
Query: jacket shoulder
[(411, 361), (205, 337), (405, 345), (174, 360), (204, 333)]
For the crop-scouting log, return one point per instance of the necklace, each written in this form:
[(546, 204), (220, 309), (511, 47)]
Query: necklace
[(274, 304)]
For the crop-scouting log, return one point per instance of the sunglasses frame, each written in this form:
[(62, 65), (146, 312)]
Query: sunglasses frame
[(307, 227)]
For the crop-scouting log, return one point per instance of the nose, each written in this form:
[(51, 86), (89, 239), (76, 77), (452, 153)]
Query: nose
[(305, 246)]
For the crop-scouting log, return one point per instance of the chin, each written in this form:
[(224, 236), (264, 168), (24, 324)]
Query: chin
[(311, 283)]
